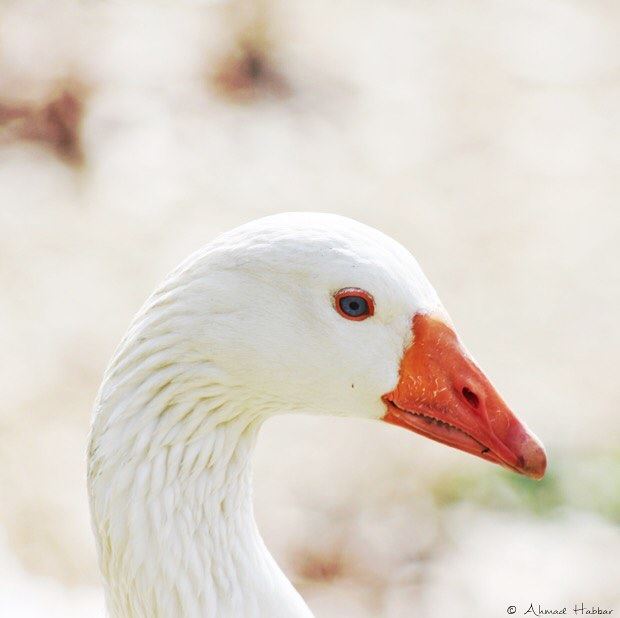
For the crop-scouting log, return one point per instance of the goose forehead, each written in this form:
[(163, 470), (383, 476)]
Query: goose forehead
[(318, 244), (307, 231)]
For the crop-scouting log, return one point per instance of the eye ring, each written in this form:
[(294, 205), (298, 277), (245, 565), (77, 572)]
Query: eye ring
[(354, 304)]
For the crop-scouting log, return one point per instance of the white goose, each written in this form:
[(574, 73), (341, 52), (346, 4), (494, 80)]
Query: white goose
[(297, 313)]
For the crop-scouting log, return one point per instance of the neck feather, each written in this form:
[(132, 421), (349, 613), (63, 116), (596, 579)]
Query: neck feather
[(170, 489)]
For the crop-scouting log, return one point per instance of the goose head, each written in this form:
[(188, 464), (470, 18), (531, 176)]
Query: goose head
[(315, 313), (294, 313)]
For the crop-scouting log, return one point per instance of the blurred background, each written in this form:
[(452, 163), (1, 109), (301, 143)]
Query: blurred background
[(484, 135)]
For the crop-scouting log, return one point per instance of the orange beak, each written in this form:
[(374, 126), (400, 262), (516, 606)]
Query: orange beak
[(443, 395)]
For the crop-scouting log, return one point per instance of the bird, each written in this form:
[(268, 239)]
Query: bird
[(296, 313)]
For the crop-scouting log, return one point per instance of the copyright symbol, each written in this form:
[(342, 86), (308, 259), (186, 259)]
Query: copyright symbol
[(512, 609)]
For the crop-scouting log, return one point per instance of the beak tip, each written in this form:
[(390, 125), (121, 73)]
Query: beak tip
[(534, 462)]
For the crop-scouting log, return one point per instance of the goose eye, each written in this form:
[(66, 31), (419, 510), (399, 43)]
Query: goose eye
[(354, 304)]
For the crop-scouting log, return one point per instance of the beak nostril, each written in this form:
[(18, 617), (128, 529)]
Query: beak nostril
[(471, 397)]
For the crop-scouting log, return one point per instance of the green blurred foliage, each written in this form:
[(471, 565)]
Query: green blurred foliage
[(582, 481)]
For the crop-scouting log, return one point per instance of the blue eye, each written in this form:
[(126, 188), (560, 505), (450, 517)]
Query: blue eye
[(354, 304)]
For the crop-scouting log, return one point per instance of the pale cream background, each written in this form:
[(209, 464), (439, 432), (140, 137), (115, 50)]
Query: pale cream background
[(484, 135)]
